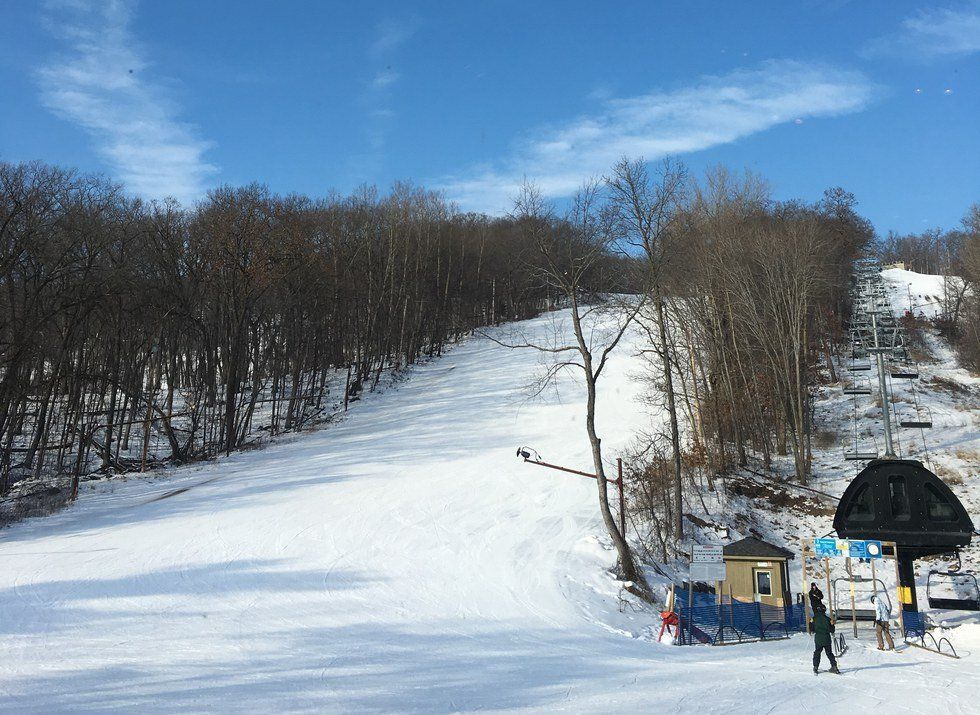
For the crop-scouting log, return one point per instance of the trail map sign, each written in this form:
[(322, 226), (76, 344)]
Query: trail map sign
[(711, 553), (708, 563), (708, 571)]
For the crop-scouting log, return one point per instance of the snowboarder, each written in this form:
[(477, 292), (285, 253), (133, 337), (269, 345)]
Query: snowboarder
[(822, 628), (883, 615)]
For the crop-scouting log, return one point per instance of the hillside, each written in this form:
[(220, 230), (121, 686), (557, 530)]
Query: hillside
[(760, 503), (403, 559)]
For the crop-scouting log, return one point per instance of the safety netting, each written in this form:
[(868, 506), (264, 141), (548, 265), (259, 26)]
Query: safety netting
[(708, 620)]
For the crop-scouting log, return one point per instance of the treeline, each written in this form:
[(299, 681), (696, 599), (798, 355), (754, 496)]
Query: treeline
[(755, 300), (964, 319), (741, 302), (136, 333), (767, 285), (955, 254), (934, 251)]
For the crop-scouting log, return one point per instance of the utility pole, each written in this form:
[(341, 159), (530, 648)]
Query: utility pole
[(883, 387)]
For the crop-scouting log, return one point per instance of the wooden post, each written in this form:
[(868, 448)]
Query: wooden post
[(719, 599), (850, 580), (690, 594), (731, 605), (806, 599), (690, 590), (826, 566), (898, 587)]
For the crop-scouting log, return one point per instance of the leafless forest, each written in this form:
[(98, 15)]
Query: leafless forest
[(134, 335)]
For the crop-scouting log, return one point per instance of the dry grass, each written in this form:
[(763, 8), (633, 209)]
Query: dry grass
[(825, 438), (949, 475), (947, 385), (971, 456), (780, 499)]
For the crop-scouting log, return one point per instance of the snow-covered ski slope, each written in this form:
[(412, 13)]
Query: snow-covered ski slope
[(401, 560)]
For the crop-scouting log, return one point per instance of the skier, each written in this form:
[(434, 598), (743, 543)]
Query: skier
[(883, 615), (822, 628)]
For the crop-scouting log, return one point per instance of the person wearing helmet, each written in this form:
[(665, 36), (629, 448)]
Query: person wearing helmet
[(823, 627)]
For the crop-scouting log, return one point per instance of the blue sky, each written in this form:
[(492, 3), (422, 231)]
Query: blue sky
[(175, 97)]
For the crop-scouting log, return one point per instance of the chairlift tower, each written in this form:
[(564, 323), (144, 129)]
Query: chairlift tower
[(875, 331), (883, 388)]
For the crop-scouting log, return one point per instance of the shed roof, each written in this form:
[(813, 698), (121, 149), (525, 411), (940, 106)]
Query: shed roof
[(752, 547)]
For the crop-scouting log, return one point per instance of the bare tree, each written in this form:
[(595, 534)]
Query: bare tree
[(572, 253), (132, 334), (645, 211)]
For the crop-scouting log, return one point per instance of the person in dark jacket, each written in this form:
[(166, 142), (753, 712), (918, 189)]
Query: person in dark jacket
[(816, 600), (816, 596), (822, 628)]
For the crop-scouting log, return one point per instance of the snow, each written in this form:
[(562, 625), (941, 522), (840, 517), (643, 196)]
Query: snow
[(922, 293), (401, 560)]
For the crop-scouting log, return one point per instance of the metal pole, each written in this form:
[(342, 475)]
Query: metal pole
[(883, 388), (850, 579), (560, 469)]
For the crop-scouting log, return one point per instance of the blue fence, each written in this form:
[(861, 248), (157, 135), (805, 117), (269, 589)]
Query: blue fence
[(914, 624), (707, 621)]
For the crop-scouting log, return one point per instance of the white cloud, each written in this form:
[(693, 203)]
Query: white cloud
[(391, 34), (101, 84), (932, 34), (389, 37), (715, 111), (384, 78)]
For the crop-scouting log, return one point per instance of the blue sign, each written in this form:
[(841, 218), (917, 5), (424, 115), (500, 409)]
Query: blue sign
[(857, 549), (825, 547)]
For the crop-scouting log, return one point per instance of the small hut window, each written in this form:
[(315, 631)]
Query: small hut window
[(862, 506), (899, 498), (763, 583), (937, 506)]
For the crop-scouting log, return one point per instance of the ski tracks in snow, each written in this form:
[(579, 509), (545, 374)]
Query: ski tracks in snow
[(402, 559)]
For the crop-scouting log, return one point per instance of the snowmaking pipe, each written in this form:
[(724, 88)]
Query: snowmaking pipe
[(526, 454)]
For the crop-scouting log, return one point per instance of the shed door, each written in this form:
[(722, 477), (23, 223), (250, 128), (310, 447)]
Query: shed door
[(762, 584)]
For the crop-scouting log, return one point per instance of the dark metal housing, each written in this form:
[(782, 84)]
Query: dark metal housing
[(900, 500)]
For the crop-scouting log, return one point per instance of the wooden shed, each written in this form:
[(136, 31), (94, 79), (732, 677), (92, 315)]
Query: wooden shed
[(757, 571)]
